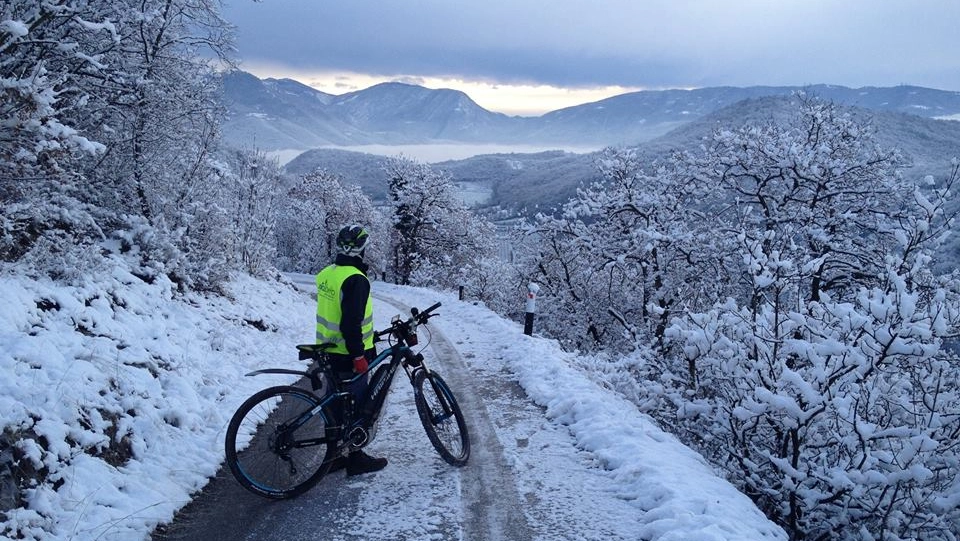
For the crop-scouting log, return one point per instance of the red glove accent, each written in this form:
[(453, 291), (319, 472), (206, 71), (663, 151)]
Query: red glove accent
[(360, 364)]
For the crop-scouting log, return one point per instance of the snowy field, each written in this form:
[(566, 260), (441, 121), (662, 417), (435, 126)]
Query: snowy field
[(122, 361)]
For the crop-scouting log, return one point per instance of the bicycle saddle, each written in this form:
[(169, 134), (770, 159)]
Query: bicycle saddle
[(312, 351)]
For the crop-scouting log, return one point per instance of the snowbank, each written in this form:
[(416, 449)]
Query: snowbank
[(118, 393)]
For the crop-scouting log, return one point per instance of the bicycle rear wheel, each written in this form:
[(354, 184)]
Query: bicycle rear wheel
[(277, 444), (441, 418)]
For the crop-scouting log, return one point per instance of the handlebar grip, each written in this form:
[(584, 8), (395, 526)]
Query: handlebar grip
[(432, 308)]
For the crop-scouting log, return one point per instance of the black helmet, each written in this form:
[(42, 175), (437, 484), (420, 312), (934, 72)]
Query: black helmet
[(351, 240)]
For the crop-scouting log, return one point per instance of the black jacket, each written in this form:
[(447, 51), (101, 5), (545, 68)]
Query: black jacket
[(353, 303)]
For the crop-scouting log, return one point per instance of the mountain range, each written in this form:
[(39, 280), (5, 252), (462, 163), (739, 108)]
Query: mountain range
[(275, 114)]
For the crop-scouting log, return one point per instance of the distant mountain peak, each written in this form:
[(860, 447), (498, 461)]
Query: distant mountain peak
[(286, 114), (395, 91)]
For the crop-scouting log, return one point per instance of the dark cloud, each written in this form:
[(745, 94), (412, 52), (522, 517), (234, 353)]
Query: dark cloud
[(578, 43)]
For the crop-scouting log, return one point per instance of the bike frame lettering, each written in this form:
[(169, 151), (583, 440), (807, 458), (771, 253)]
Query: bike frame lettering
[(392, 356), (375, 395)]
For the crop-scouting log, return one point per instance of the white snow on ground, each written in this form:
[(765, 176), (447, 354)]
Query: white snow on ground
[(119, 359), (71, 359)]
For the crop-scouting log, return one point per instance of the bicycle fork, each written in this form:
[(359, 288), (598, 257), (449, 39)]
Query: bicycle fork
[(446, 411)]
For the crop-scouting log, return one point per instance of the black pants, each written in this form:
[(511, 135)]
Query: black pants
[(343, 370)]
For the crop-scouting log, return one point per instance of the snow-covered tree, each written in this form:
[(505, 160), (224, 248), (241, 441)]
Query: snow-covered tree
[(435, 232), (250, 196), (617, 261), (821, 382), (313, 210), (158, 112), (112, 108), (46, 58)]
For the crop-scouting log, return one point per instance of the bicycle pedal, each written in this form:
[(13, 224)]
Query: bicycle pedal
[(358, 436)]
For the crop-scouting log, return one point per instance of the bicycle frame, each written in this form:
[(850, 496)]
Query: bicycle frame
[(356, 431), (363, 424)]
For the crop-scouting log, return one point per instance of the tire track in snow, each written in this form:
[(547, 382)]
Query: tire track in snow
[(492, 505)]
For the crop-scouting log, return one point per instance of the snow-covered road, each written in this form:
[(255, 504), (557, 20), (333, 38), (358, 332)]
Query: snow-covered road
[(490, 503)]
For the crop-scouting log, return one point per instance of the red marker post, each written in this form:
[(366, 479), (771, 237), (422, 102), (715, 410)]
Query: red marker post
[(532, 290)]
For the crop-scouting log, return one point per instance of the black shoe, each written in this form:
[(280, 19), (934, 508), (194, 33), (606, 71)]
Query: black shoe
[(360, 462)]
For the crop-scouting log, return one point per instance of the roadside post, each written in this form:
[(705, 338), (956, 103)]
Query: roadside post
[(532, 290)]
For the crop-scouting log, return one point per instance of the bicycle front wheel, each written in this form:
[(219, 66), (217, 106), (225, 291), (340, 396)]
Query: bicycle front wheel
[(441, 418), (277, 444)]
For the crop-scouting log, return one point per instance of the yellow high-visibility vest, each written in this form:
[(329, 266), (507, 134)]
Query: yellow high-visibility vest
[(329, 284)]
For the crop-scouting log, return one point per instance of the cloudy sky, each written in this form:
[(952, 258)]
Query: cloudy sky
[(532, 56)]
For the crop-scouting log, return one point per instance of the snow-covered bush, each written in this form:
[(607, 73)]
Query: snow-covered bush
[(777, 294), (46, 54), (497, 283)]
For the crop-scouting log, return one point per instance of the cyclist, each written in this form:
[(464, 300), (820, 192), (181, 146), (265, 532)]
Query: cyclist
[(345, 317)]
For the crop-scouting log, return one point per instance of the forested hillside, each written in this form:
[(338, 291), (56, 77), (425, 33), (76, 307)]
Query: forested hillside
[(773, 293), (536, 182)]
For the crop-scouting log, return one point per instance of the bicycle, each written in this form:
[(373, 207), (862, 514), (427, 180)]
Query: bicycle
[(282, 440)]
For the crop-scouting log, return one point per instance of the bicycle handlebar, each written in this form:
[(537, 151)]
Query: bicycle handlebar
[(426, 313), (417, 316)]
